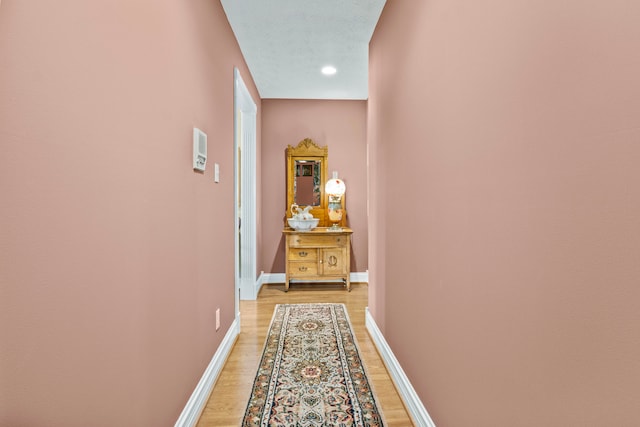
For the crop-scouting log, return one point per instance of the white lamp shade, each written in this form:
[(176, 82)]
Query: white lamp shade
[(335, 187)]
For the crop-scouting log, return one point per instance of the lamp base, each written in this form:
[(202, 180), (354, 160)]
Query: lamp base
[(335, 217)]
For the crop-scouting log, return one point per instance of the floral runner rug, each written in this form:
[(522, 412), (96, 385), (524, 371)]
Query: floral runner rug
[(310, 374)]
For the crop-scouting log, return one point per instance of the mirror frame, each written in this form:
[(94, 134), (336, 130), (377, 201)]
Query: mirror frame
[(307, 150)]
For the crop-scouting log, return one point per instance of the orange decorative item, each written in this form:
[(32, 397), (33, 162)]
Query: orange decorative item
[(335, 189)]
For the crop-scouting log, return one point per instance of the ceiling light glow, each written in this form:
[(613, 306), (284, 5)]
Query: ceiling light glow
[(329, 70)]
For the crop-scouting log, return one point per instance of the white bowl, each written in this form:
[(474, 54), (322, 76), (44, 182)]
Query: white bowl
[(303, 224)]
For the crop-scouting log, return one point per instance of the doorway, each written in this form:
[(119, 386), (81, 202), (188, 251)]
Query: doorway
[(244, 118)]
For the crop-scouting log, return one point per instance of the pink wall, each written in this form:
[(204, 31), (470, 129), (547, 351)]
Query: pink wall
[(520, 121), (113, 252), (339, 124)]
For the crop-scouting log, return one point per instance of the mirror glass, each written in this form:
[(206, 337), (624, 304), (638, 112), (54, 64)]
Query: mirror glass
[(306, 176), (306, 186)]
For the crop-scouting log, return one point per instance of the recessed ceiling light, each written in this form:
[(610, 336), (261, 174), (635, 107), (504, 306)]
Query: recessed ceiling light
[(329, 70)]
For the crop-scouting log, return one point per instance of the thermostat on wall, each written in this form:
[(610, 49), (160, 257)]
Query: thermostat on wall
[(199, 149)]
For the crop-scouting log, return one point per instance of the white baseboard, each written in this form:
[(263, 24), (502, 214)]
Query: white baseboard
[(360, 277), (267, 278), (414, 405), (249, 289), (191, 412), (259, 283)]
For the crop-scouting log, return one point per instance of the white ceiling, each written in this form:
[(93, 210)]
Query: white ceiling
[(287, 42)]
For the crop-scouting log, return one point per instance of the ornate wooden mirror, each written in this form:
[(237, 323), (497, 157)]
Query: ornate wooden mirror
[(306, 177)]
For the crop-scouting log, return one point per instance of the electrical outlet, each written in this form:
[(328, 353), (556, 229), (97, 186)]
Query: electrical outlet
[(217, 319)]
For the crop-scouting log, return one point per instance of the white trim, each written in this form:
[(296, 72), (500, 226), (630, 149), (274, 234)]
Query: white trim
[(259, 283), (244, 125), (360, 277), (196, 403), (269, 278), (414, 405)]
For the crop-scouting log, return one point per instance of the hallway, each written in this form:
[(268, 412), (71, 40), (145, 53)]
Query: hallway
[(228, 400)]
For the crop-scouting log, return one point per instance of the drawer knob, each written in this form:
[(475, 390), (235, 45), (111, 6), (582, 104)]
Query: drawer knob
[(303, 268), (303, 254)]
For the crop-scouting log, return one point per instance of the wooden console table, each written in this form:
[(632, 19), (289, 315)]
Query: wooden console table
[(318, 255)]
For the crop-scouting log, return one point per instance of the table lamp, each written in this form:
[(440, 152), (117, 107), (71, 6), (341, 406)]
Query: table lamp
[(335, 189)]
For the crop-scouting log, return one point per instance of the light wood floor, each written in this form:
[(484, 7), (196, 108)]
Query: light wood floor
[(230, 395)]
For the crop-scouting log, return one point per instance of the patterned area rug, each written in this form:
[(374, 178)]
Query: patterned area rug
[(310, 374)]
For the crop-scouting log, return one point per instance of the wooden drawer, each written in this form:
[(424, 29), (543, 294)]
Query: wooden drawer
[(303, 254), (303, 269), (316, 241)]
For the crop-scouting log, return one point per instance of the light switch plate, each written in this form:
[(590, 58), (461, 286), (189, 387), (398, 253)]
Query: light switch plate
[(216, 172)]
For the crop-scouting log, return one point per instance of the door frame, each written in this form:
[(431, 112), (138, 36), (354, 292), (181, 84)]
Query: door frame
[(245, 183)]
